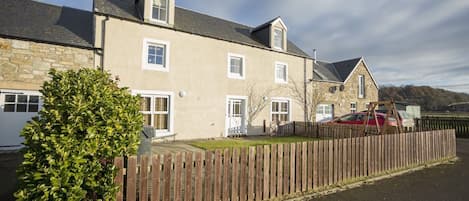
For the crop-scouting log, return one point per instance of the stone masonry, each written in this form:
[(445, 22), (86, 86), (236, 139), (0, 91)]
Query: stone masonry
[(25, 64), (343, 99)]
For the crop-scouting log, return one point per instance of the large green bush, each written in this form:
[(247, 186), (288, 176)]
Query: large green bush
[(86, 121)]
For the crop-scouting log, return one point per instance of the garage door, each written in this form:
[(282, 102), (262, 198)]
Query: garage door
[(324, 112), (16, 108)]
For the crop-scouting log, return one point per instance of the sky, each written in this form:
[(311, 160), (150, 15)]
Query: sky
[(418, 42)]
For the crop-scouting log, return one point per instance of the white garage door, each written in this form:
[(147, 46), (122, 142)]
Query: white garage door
[(16, 108), (324, 112)]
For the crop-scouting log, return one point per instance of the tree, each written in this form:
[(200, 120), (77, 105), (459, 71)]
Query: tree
[(86, 121), (257, 100), (309, 97)]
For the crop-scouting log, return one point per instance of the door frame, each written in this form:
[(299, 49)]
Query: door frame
[(244, 117), (325, 104)]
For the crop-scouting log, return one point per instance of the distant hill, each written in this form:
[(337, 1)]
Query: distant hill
[(430, 99)]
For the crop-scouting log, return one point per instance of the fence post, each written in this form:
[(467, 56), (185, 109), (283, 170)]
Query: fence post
[(119, 163), (294, 127)]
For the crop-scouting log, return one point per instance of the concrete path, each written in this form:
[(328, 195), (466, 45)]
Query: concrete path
[(448, 182), (173, 147)]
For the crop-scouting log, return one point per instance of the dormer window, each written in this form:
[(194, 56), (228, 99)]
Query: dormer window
[(160, 11), (278, 38), (272, 34)]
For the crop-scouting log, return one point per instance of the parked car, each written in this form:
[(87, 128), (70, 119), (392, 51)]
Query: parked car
[(406, 120), (359, 119)]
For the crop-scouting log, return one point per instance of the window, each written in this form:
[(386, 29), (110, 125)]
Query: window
[(361, 86), (367, 105), (278, 38), (353, 107), (160, 11), (21, 103), (156, 55), (156, 110), (236, 66), (281, 72), (280, 110)]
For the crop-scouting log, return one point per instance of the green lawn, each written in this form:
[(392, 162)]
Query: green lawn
[(246, 142)]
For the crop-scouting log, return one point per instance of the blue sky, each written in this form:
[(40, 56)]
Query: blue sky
[(419, 42)]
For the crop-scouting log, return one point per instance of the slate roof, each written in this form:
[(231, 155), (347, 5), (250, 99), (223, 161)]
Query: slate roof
[(28, 19), (262, 26), (336, 71), (194, 23)]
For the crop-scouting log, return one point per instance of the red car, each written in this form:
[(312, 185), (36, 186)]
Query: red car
[(359, 118)]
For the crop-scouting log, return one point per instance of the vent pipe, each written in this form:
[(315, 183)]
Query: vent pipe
[(314, 56)]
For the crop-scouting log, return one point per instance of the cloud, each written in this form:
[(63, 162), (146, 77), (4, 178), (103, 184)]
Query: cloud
[(423, 42)]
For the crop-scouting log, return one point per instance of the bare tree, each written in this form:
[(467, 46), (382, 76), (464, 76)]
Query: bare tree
[(258, 99), (310, 97)]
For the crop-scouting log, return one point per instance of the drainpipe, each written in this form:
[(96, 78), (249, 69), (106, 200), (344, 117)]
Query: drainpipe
[(305, 91), (103, 40)]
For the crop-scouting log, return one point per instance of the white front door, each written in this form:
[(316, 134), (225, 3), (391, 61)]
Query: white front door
[(236, 116), (324, 112)]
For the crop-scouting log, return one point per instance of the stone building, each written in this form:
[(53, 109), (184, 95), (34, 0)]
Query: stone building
[(35, 37), (198, 76), (342, 87)]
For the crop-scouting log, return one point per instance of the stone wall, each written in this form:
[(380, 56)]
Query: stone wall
[(343, 99), (25, 64)]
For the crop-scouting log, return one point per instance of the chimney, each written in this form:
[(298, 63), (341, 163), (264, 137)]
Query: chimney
[(314, 56)]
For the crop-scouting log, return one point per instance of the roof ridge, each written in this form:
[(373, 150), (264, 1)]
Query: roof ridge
[(259, 27), (347, 60)]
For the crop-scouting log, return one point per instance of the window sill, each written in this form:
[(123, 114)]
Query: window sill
[(278, 49), (281, 82), (155, 68), (236, 77), (159, 22), (162, 134)]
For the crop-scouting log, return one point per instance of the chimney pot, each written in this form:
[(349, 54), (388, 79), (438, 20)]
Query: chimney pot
[(315, 56)]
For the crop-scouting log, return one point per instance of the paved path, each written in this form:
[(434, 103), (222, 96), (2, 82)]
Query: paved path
[(449, 182), (8, 184)]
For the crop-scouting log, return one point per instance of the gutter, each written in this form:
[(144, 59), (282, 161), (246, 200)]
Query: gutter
[(49, 42)]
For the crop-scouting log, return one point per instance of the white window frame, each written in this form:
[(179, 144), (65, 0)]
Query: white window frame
[(361, 86), (156, 67), (282, 42), (4, 92), (353, 107), (158, 20), (228, 97), (243, 67), (281, 99), (153, 94), (281, 81)]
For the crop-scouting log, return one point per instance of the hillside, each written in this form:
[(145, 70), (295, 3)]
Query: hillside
[(430, 99)]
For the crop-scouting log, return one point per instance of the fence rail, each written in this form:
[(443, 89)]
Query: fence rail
[(324, 130), (459, 124), (274, 171)]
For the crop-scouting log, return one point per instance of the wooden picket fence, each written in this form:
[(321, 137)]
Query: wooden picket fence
[(276, 171)]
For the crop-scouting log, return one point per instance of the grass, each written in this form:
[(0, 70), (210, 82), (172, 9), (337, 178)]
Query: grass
[(231, 143)]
